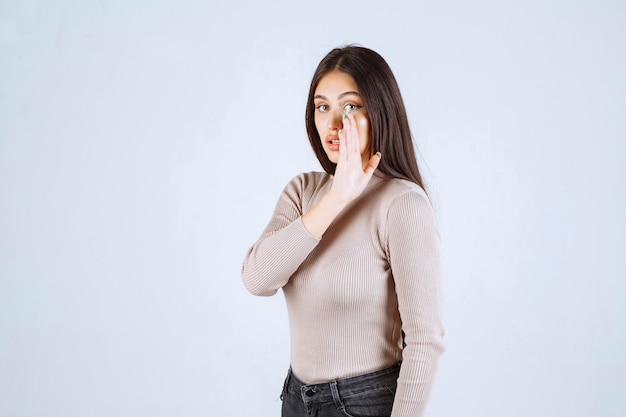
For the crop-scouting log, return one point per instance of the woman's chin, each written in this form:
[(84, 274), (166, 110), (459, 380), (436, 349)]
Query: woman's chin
[(332, 156)]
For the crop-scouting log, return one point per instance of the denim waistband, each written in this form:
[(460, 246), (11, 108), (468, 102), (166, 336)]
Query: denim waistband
[(349, 386)]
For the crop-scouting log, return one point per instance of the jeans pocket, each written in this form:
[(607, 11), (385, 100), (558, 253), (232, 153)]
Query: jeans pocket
[(376, 402)]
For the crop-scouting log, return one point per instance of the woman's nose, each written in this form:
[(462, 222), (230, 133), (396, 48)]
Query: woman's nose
[(335, 120)]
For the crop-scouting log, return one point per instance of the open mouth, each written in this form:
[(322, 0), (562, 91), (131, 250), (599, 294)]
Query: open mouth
[(332, 139), (332, 142)]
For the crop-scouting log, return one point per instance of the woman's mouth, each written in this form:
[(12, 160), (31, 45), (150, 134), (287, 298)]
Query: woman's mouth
[(332, 143)]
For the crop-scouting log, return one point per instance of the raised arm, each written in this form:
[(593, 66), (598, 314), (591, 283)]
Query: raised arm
[(291, 234), (351, 177), (283, 245)]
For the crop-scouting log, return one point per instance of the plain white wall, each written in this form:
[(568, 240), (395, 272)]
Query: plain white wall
[(143, 145)]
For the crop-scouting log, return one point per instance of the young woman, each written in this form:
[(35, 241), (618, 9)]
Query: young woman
[(355, 250)]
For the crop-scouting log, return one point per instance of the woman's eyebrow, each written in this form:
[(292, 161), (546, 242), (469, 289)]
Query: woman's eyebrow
[(347, 93), (342, 95)]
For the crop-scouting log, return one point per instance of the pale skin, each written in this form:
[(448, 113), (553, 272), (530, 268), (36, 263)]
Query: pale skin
[(336, 93)]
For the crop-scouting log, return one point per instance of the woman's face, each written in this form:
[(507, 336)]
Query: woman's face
[(335, 93)]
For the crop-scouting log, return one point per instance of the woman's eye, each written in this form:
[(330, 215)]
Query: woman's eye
[(322, 108), (351, 107)]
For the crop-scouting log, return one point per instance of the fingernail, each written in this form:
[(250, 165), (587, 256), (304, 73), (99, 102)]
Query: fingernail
[(380, 155), (346, 113)]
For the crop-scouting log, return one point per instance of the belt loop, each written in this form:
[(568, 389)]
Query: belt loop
[(336, 397)]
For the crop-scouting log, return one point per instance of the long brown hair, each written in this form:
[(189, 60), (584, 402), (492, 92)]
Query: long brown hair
[(389, 125)]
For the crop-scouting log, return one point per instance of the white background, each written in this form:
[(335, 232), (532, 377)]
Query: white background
[(143, 145)]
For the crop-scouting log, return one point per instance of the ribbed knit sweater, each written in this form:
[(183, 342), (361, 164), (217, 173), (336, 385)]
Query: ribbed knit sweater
[(374, 275)]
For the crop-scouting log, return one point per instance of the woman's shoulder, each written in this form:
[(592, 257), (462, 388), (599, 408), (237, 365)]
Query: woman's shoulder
[(397, 187), (406, 205), (307, 184), (312, 179), (394, 198)]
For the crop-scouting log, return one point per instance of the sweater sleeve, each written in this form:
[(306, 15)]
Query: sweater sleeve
[(413, 245), (283, 246)]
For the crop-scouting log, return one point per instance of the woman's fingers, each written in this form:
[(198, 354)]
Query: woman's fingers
[(347, 134), (343, 143), (350, 140), (356, 146), (354, 141), (351, 176), (372, 164)]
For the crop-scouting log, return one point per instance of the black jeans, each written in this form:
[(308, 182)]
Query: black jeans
[(369, 395)]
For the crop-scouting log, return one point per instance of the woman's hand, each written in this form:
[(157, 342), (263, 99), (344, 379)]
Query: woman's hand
[(353, 171), (352, 174)]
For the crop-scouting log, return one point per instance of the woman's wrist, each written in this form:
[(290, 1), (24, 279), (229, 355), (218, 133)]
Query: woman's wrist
[(319, 218), (334, 199)]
